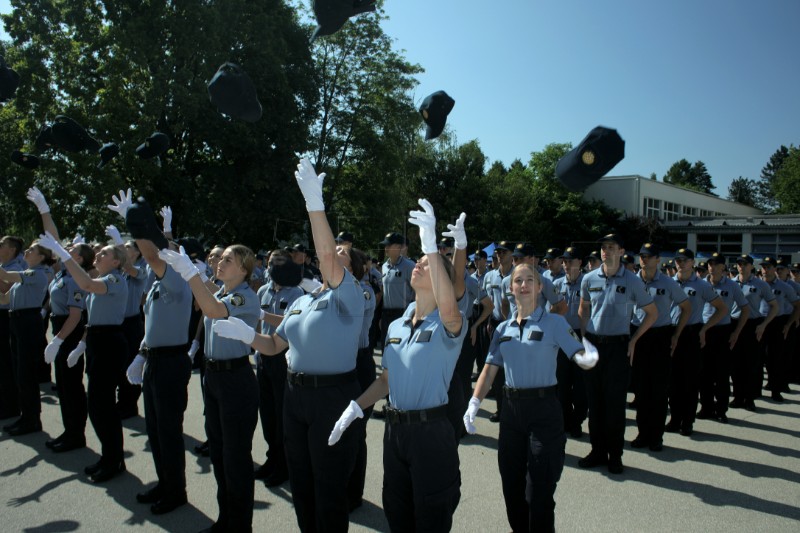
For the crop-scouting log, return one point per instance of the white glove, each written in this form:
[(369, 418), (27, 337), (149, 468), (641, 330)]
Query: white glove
[(180, 262), (352, 412), (202, 269), (122, 203), (469, 416), (135, 371), (310, 185), (234, 328), (166, 214), (590, 356), (457, 232), (113, 232), (48, 241), (36, 196), (78, 239), (193, 349), (51, 350), (426, 220), (262, 315), (76, 354)]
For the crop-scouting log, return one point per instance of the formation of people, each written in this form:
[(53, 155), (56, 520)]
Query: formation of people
[(552, 344)]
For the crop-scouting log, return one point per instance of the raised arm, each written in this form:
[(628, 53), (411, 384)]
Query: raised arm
[(36, 196)]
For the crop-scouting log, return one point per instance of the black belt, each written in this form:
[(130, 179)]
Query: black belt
[(396, 416), (227, 364), (25, 312), (165, 351), (607, 339), (328, 380), (541, 392)]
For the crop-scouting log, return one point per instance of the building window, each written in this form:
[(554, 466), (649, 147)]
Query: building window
[(725, 243), (706, 213), (776, 243), (687, 211), (652, 208), (671, 211)]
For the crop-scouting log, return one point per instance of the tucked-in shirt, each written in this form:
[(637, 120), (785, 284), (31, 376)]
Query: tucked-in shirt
[(731, 294), (571, 292), (276, 302), (17, 264), (323, 329), (666, 293), (397, 291), (108, 309), (242, 303), (29, 292), (136, 288), (167, 311), (65, 293), (785, 295), (613, 300), (755, 290), (528, 352), (420, 361)]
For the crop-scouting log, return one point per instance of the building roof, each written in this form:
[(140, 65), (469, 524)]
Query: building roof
[(765, 222)]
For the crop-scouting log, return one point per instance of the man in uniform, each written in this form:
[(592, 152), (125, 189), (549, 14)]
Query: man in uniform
[(397, 291), (555, 264), (608, 297)]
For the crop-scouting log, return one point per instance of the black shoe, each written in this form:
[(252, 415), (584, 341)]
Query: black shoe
[(93, 469), (25, 428), (52, 442), (777, 396), (592, 460), (686, 431), (495, 417), (5, 415), (67, 445), (264, 471), (12, 425), (737, 404), (672, 427), (656, 446), (722, 417), (639, 442), (615, 465), (785, 389), (705, 415), (108, 472), (167, 505), (278, 477), (750, 405), (201, 449), (149, 496)]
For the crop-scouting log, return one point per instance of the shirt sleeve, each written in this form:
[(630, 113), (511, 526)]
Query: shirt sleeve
[(550, 292), (495, 357), (565, 336), (709, 294), (766, 292), (791, 294), (675, 291), (638, 291), (738, 296)]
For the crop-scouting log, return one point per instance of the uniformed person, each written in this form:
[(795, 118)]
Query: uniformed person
[(555, 264), (786, 272), (551, 300), (532, 441), (321, 331), (593, 261), (715, 367), (231, 390), (493, 285), (25, 298), (483, 312), (105, 349), (655, 349), (396, 275), (11, 260), (608, 297)]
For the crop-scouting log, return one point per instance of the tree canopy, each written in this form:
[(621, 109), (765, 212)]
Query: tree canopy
[(690, 176)]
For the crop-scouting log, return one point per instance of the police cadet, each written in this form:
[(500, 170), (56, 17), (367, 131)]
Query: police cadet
[(785, 273), (608, 297), (715, 367), (655, 349), (748, 366), (421, 476), (778, 330), (482, 313), (322, 333), (571, 388), (555, 264), (532, 441), (25, 298), (685, 369), (276, 297), (67, 305), (105, 349), (493, 285), (11, 260), (550, 299), (593, 261), (231, 393), (396, 275)]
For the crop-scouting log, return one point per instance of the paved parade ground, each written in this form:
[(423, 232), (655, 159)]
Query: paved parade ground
[(743, 476)]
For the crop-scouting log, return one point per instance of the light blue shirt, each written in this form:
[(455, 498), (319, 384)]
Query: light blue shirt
[(167, 310), (666, 293), (785, 295), (108, 309), (613, 300), (136, 288), (65, 293), (242, 303), (17, 264), (699, 293), (29, 292), (755, 290), (731, 294), (369, 313), (493, 285), (397, 291), (276, 302), (548, 297), (571, 292)]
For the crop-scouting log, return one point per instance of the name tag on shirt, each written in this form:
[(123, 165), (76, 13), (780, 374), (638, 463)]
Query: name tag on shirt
[(535, 335), (504, 339), (424, 336), (595, 289), (393, 340)]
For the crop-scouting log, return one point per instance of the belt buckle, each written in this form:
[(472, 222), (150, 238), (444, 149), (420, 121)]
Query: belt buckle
[(298, 378)]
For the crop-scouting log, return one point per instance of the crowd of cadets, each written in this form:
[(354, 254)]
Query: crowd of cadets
[(675, 333)]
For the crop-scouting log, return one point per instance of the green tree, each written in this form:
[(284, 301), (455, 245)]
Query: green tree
[(744, 191), (786, 184), (766, 182), (695, 177)]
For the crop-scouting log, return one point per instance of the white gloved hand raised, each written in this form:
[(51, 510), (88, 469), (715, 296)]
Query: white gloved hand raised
[(426, 221), (310, 185), (51, 350), (36, 196), (74, 355), (180, 262), (457, 232), (113, 232), (48, 241), (202, 269), (234, 328), (78, 239), (122, 204), (193, 349), (590, 356), (135, 371), (166, 214), (352, 412), (469, 416)]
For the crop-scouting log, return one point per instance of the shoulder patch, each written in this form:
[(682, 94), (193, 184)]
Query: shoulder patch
[(237, 300), (113, 279), (367, 295), (77, 296)]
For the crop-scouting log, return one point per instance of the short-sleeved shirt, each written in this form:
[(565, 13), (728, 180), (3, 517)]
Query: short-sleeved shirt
[(397, 291), (30, 290), (473, 294), (421, 361), (65, 293), (699, 293), (136, 287), (369, 312), (323, 329), (17, 264), (242, 303), (167, 310), (276, 302), (553, 277), (547, 298), (493, 285), (755, 290), (613, 300), (665, 293), (528, 353), (731, 295), (571, 292), (785, 295), (108, 309)]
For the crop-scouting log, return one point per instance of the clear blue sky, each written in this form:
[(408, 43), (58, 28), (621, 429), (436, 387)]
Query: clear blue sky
[(710, 80)]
